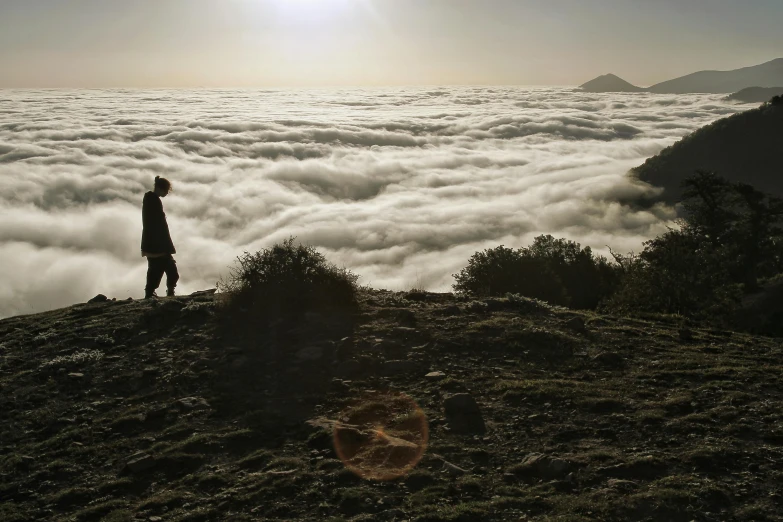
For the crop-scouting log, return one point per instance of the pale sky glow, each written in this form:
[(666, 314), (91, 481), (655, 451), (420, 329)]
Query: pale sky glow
[(280, 43)]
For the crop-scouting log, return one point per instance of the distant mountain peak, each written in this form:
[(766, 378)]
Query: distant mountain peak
[(609, 83), (768, 74)]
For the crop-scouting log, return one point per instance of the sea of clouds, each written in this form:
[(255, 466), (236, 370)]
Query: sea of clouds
[(399, 185)]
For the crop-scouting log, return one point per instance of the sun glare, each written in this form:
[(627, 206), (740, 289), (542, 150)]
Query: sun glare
[(328, 15), (311, 8)]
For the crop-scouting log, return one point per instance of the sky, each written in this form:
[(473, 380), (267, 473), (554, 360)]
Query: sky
[(322, 43)]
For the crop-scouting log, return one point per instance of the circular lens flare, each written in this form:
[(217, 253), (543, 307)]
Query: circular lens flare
[(383, 437)]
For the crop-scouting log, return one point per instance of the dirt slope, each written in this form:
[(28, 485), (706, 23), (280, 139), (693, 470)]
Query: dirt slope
[(131, 410)]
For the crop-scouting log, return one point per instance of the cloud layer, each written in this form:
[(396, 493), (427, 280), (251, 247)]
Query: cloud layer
[(401, 186)]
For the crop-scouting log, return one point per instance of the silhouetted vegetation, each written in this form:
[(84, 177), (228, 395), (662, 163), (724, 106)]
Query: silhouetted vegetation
[(286, 281), (729, 240), (728, 245), (558, 271)]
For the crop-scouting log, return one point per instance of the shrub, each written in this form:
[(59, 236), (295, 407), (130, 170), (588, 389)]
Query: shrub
[(287, 281), (677, 273), (498, 271), (730, 238), (586, 279), (558, 271)]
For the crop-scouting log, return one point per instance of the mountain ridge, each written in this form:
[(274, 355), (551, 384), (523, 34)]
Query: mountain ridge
[(755, 94), (767, 74), (744, 147)]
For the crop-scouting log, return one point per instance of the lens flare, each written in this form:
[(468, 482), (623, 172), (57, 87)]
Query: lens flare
[(383, 437)]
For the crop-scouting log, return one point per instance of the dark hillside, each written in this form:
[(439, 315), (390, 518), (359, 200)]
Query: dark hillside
[(744, 148), (756, 94), (137, 410)]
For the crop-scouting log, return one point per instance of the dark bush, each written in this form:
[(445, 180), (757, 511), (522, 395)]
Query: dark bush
[(730, 239), (677, 273), (554, 270), (499, 271), (285, 282), (586, 279)]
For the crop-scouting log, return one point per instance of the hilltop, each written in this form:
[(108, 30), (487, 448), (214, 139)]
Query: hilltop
[(744, 147), (144, 410), (609, 83), (756, 94), (769, 74)]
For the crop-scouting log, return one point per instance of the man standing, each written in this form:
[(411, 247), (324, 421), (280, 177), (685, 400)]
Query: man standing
[(156, 244)]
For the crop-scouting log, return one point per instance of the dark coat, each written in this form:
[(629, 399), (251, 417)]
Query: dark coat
[(155, 237)]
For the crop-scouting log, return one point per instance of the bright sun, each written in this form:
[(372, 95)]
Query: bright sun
[(307, 14), (312, 6)]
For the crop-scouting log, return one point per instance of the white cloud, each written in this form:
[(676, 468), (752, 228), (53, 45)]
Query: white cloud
[(399, 185)]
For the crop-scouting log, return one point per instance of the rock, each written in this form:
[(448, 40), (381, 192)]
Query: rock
[(404, 331), (609, 359), (435, 376), (198, 308), (463, 414), (104, 340), (406, 318), (139, 462), (685, 334), (192, 404), (200, 293), (576, 324), (760, 311), (391, 368), (390, 515), (345, 347), (391, 348), (156, 413), (311, 353), (621, 484), (100, 298), (646, 468), (451, 469), (537, 465), (240, 362), (172, 305), (449, 311), (349, 368)]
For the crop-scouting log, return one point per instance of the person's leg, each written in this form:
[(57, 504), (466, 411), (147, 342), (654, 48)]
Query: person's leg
[(155, 271), (172, 275)]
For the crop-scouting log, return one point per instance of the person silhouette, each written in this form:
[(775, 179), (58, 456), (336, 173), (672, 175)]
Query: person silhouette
[(156, 244)]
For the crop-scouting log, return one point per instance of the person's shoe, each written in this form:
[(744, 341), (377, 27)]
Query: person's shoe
[(150, 296), (170, 292)]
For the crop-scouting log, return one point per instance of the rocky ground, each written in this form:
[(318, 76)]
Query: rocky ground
[(500, 409)]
